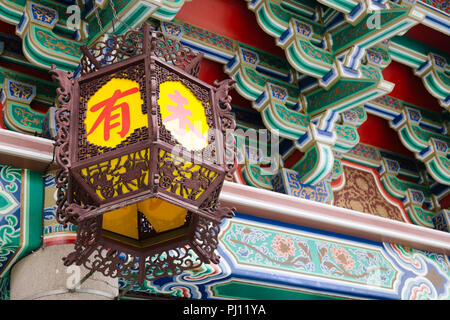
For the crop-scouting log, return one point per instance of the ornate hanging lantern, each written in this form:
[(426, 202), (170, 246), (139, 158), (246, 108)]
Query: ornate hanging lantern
[(143, 151)]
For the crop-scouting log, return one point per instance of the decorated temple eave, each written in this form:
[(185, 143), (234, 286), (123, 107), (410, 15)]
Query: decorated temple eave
[(37, 153)]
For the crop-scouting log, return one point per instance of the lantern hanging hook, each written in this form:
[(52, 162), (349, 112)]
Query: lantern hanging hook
[(115, 18), (98, 20)]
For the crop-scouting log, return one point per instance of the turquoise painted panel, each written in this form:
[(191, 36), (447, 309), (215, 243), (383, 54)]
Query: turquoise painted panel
[(296, 262), (296, 253)]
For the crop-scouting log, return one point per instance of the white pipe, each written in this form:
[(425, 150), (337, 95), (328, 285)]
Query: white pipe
[(281, 207)]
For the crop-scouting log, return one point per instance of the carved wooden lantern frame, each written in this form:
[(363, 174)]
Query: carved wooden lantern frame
[(148, 163)]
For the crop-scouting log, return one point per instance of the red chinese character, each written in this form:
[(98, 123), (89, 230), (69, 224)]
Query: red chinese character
[(179, 113), (107, 115)]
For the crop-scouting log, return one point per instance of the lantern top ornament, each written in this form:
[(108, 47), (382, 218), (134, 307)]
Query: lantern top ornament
[(143, 147)]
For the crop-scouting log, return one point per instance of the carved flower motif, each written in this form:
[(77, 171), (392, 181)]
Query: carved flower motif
[(283, 247), (343, 258)]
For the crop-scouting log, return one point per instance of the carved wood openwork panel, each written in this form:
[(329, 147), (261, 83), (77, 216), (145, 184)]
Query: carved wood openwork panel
[(116, 177), (184, 179)]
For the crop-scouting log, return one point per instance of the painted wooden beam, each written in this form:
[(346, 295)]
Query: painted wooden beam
[(272, 205), (24, 151)]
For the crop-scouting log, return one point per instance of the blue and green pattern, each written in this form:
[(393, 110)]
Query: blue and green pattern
[(298, 263), (21, 194)]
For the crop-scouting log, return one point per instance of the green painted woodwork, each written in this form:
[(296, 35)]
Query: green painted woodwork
[(278, 114), (337, 169), (321, 99), (420, 216), (22, 232), (44, 60), (33, 205), (45, 46), (427, 115), (253, 177), (7, 13), (268, 60), (285, 16), (293, 119), (419, 48), (45, 90), (7, 203), (20, 117), (415, 54), (341, 5), (392, 21), (258, 79), (17, 2), (401, 55), (141, 10), (303, 8), (317, 58), (434, 85), (308, 162), (444, 77), (425, 135), (138, 14), (244, 89), (347, 137), (315, 165), (67, 49), (165, 13), (398, 188), (236, 289), (266, 24), (439, 169), (273, 123), (371, 73)]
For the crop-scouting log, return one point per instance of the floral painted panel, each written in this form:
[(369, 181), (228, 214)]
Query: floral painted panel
[(290, 258), (297, 253), (360, 193)]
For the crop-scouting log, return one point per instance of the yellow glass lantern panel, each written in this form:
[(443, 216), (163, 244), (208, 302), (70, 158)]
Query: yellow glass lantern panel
[(114, 112), (162, 215), (183, 115), (122, 221)]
